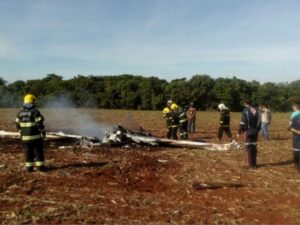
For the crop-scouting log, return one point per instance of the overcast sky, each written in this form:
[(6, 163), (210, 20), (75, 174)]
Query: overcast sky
[(257, 39)]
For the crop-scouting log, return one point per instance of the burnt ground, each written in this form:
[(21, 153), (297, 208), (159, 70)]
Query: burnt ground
[(151, 185)]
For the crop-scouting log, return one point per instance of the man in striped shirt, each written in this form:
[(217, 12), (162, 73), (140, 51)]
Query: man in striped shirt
[(29, 122)]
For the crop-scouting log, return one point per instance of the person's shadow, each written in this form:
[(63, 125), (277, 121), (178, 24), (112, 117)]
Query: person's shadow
[(80, 165), (283, 163)]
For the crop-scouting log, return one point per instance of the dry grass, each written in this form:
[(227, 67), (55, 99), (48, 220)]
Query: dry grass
[(133, 186)]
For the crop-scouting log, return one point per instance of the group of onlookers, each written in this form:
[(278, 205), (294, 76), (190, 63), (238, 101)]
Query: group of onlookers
[(265, 117), (254, 119)]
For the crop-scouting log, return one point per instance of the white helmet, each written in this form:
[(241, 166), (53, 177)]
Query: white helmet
[(169, 102), (221, 106)]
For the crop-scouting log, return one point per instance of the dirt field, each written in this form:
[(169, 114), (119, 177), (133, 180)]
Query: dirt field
[(149, 185)]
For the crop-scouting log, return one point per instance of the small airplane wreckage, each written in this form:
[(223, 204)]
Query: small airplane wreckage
[(121, 136)]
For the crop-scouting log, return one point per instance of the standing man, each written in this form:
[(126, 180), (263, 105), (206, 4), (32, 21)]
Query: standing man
[(224, 122), (183, 124), (191, 115), (250, 126), (174, 114), (179, 115), (295, 129), (266, 118), (29, 122), (168, 118)]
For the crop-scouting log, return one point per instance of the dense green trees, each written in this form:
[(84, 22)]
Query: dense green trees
[(147, 93)]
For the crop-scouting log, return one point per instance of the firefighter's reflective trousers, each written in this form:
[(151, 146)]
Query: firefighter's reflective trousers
[(250, 137), (34, 155)]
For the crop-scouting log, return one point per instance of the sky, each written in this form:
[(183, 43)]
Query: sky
[(253, 40)]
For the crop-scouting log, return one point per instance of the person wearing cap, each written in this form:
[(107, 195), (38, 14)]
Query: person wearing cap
[(224, 122), (249, 126), (30, 123), (191, 115), (295, 129)]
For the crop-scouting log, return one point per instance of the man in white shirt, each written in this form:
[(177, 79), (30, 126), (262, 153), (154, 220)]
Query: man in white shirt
[(266, 118)]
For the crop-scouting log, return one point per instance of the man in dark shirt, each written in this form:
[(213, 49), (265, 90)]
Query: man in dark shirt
[(249, 126), (191, 115), (295, 129), (180, 120)]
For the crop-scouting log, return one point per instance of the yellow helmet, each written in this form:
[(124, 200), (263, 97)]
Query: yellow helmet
[(166, 110), (174, 106), (29, 98)]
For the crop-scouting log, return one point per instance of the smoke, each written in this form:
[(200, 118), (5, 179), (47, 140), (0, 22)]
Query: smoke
[(59, 102), (62, 115)]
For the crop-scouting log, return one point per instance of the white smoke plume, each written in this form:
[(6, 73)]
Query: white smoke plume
[(62, 115)]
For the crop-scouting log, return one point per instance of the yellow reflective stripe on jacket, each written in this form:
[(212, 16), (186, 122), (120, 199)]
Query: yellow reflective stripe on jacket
[(181, 121), (17, 120), (29, 164), (38, 119), (32, 137), (39, 163), (182, 114), (28, 124)]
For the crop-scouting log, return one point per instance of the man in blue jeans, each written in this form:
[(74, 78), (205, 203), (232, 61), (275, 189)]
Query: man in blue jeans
[(266, 118)]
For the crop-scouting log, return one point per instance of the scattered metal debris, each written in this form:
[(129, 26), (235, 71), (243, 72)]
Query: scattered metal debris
[(162, 160), (87, 142), (2, 166), (121, 136), (66, 147), (216, 185)]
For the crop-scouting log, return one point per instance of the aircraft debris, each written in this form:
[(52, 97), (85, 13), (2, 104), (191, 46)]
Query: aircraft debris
[(121, 136)]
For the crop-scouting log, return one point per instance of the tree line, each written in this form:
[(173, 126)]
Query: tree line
[(148, 93)]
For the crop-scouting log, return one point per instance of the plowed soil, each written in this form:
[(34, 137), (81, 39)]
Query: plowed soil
[(138, 184)]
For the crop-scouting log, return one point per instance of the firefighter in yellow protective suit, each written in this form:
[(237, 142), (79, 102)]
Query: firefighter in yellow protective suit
[(168, 118), (180, 120), (29, 122)]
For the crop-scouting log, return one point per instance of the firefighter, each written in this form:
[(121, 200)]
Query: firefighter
[(224, 121), (29, 122), (180, 115), (169, 104), (183, 124), (168, 118), (175, 121), (249, 127)]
